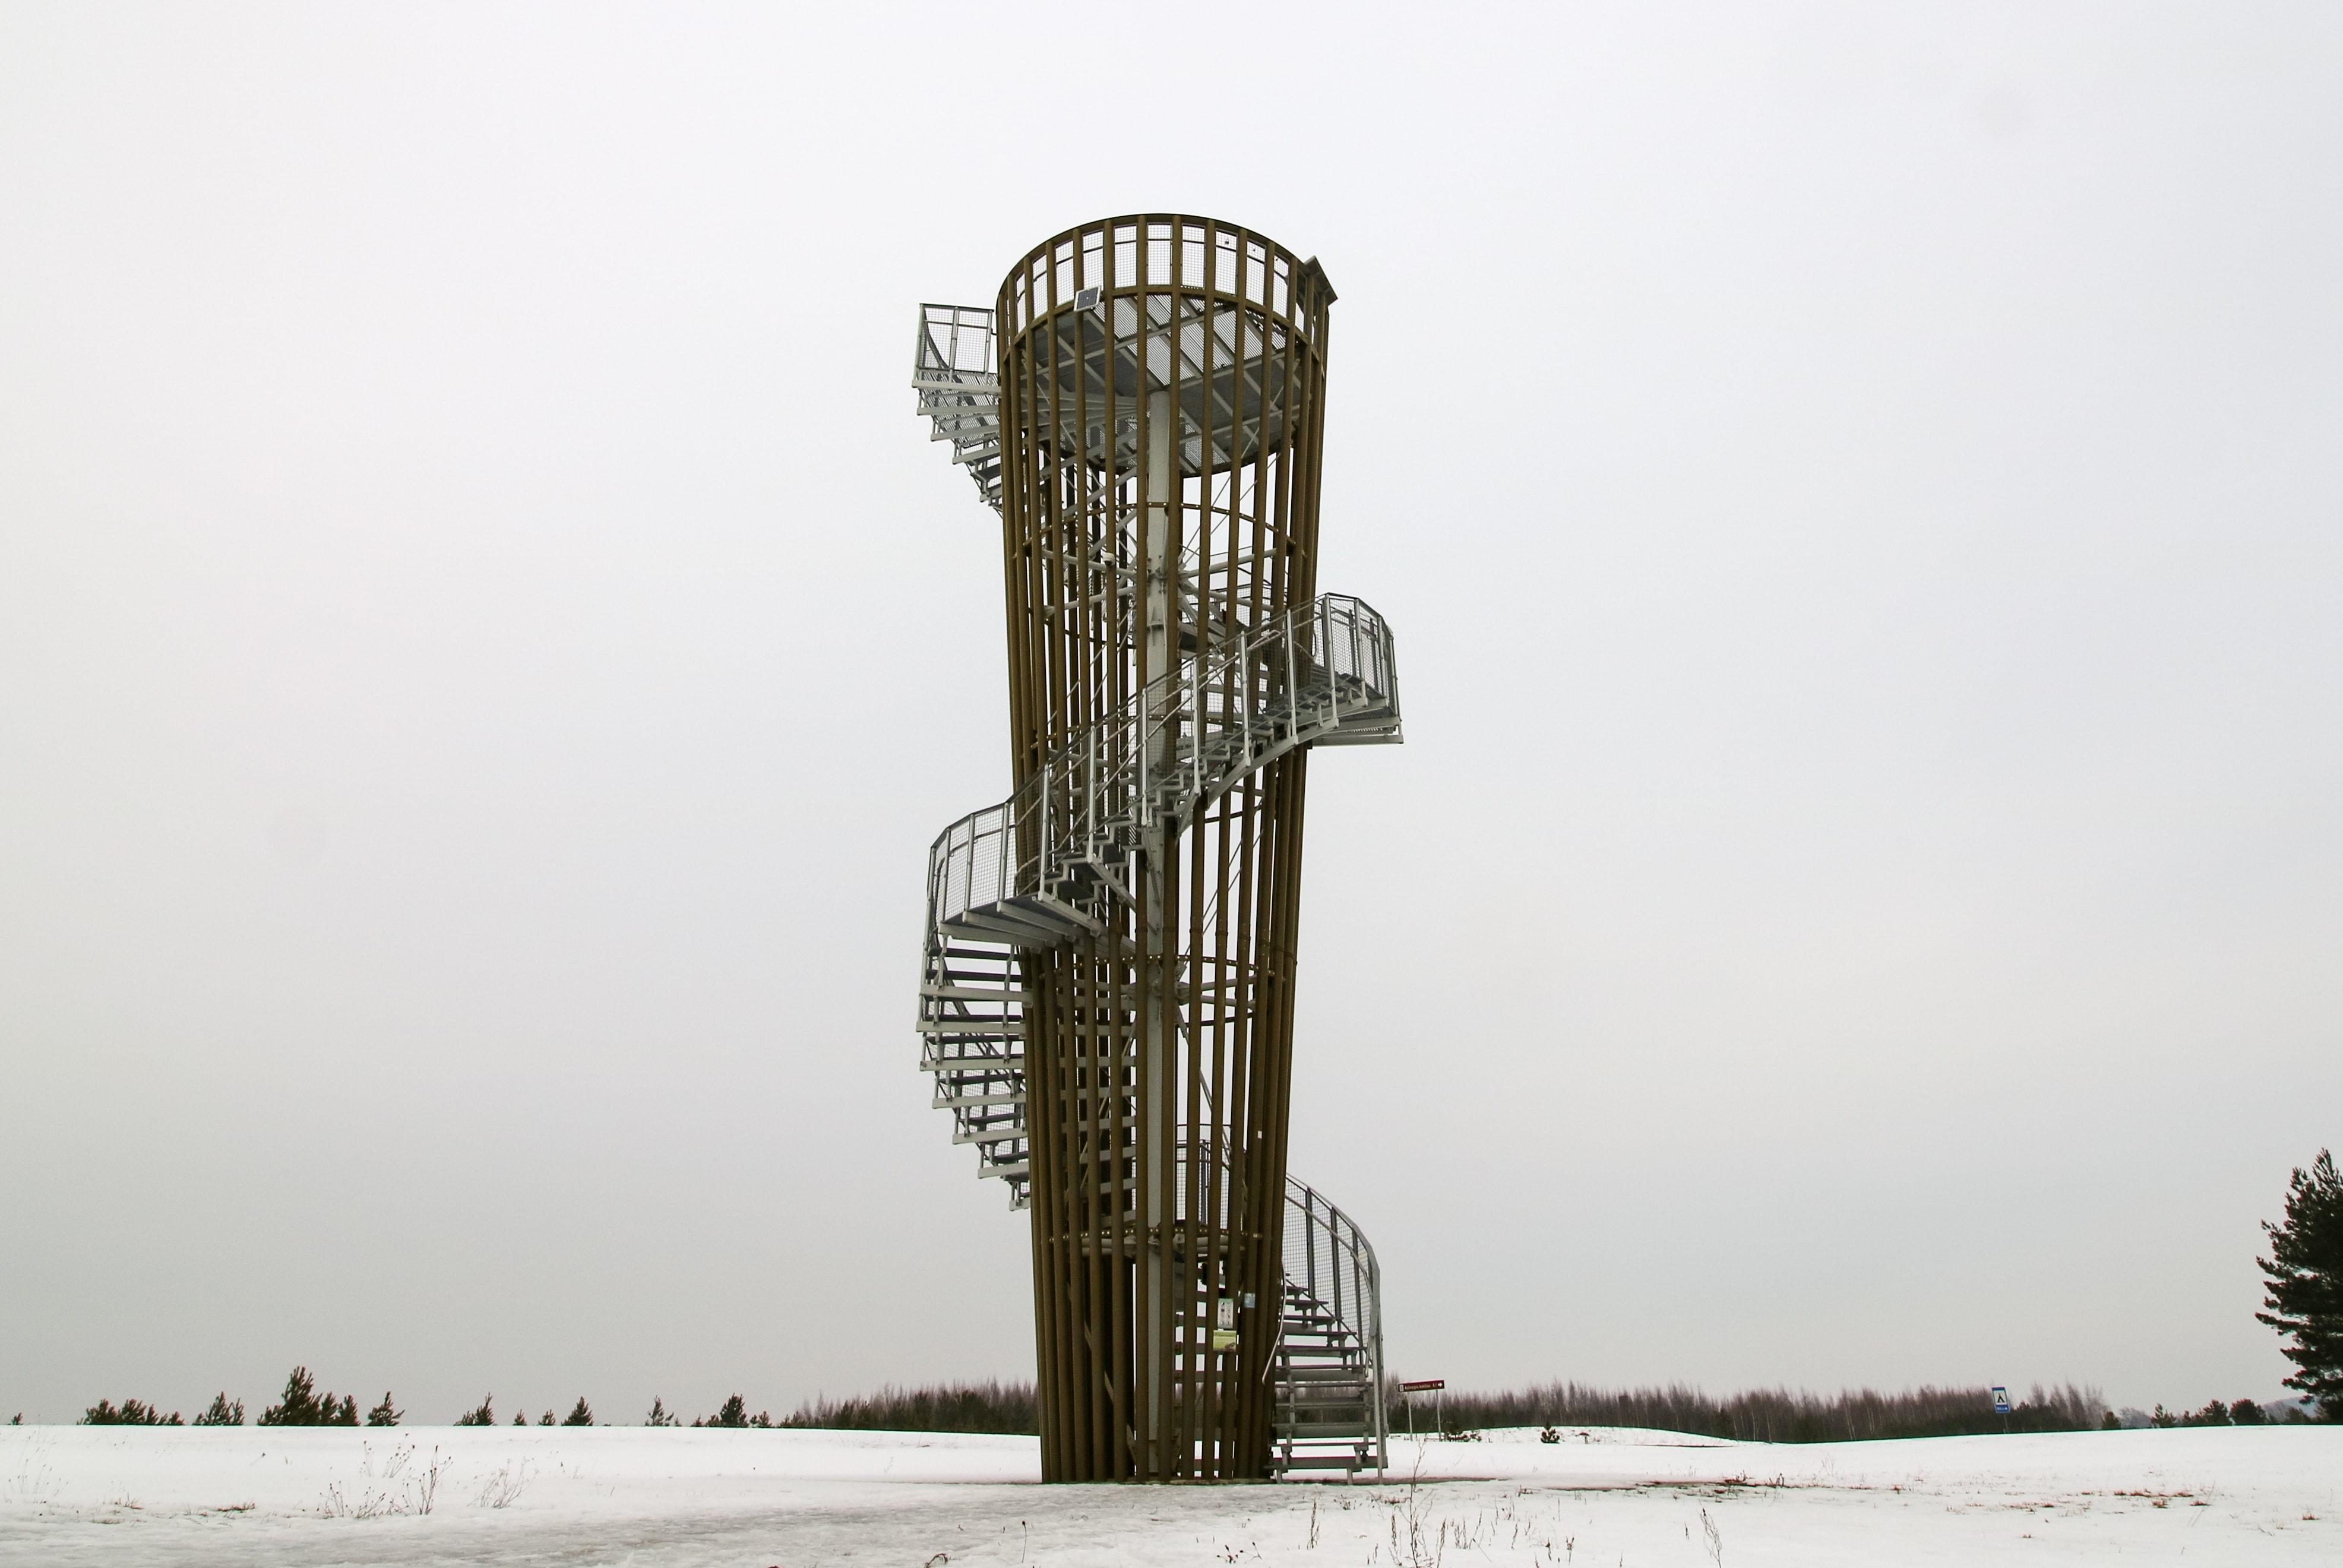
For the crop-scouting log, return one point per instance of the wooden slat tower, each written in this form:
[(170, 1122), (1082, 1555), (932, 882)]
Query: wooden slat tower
[(1107, 991)]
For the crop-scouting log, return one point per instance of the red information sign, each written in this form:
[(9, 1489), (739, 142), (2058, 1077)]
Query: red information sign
[(1427, 1386)]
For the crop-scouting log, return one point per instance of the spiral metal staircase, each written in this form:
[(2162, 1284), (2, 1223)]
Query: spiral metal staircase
[(1043, 867)]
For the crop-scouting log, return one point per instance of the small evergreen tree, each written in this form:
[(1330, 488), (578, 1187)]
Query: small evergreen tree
[(2215, 1414), (484, 1416), (547, 1419), (660, 1416), (221, 1412), (133, 1413), (299, 1405), (579, 1415), (304, 1406), (521, 1418), (734, 1412), (2305, 1271), (383, 1414), (2245, 1412)]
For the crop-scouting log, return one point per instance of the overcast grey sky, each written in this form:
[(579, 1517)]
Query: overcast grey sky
[(484, 646)]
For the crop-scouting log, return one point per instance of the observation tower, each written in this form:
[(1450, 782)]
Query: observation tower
[(1106, 994)]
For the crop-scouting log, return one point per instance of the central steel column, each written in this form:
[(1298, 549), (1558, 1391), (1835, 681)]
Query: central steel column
[(1159, 549)]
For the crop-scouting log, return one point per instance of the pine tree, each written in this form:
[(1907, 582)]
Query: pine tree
[(2305, 1283), (579, 1415), (484, 1416), (660, 1416), (299, 1405), (521, 1418), (223, 1413), (133, 1412), (733, 1413), (383, 1414), (303, 1405)]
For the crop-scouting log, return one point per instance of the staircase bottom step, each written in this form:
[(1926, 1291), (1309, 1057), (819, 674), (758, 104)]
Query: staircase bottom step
[(1325, 1462)]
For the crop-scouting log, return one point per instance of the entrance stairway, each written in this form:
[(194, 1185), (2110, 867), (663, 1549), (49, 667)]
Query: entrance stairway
[(1329, 1366), (1047, 866)]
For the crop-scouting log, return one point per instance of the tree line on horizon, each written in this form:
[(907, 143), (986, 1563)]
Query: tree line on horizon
[(1758, 1416), (2304, 1298), (1782, 1415), (302, 1406), (2236, 1413), (990, 1406), (1010, 1409)]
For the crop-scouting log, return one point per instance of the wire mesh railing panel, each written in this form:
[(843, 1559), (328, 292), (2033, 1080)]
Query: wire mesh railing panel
[(955, 370), (956, 340), (1334, 1284), (1064, 841)]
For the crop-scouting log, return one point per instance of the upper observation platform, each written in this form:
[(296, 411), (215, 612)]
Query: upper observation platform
[(1110, 327)]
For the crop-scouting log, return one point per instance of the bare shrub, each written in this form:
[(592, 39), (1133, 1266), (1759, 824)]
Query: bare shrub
[(35, 1480), (402, 1486), (502, 1488)]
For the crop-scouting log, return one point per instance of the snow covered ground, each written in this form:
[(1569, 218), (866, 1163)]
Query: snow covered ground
[(544, 1496)]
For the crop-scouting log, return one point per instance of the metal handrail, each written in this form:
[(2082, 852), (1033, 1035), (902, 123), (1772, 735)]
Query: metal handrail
[(956, 371), (1329, 1259), (1305, 676)]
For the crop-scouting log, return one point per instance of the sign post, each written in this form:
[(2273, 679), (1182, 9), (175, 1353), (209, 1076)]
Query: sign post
[(1429, 1385)]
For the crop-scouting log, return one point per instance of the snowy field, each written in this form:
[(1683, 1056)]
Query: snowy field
[(544, 1496)]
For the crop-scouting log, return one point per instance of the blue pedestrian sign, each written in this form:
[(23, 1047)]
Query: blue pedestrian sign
[(2001, 1402)]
